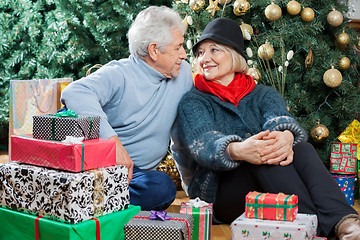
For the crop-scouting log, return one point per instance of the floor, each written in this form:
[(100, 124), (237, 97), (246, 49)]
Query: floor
[(219, 232)]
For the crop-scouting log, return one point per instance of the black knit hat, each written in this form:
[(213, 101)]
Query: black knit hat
[(224, 31)]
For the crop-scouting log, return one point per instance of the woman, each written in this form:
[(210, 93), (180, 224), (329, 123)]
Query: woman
[(240, 137)]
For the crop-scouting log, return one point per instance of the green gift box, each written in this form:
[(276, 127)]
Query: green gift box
[(18, 225)]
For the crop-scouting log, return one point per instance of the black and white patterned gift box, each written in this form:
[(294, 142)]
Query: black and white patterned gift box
[(141, 227), (52, 127), (64, 196)]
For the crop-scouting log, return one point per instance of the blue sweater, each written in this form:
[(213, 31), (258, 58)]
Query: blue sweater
[(135, 102), (208, 125)]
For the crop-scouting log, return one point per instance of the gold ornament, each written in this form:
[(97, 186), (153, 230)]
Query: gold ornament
[(309, 59), (266, 51), (213, 6), (241, 7), (255, 73), (342, 40), (293, 7), (196, 5), (307, 14), (332, 77), (167, 165), (319, 133), (344, 63), (358, 45), (223, 2), (273, 12), (335, 18), (246, 27)]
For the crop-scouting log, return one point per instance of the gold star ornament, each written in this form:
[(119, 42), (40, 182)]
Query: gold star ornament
[(213, 6)]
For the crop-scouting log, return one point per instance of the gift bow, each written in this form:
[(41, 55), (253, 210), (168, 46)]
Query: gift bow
[(159, 215), (67, 113), (352, 135), (73, 140), (197, 203)]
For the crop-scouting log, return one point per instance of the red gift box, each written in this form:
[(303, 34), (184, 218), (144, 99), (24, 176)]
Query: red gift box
[(271, 206), (91, 154)]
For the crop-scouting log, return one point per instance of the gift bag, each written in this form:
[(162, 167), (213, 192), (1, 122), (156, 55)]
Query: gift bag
[(32, 97)]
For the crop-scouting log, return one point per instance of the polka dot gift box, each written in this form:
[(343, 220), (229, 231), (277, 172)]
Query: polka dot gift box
[(58, 126), (159, 225)]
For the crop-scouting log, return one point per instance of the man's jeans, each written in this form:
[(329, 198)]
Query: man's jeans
[(152, 190)]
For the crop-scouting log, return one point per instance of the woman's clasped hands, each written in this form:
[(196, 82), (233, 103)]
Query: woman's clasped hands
[(265, 148)]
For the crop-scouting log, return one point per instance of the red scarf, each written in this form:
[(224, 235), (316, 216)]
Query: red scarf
[(236, 90)]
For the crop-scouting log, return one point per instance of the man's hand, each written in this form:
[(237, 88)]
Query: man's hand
[(123, 158)]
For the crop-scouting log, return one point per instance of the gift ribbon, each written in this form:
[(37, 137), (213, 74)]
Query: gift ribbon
[(82, 156), (99, 192), (97, 223), (37, 237), (288, 198), (67, 113), (197, 203), (75, 140), (175, 219), (90, 129), (159, 215)]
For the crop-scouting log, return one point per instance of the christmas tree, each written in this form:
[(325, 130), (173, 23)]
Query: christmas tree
[(304, 49), (61, 38)]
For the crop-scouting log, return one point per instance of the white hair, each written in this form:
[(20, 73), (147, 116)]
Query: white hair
[(154, 24)]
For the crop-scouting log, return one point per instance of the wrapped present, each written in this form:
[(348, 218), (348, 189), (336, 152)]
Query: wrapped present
[(159, 225), (303, 227), (58, 126), (343, 158), (351, 134), (271, 206), (202, 213), (24, 226), (74, 157), (64, 196), (347, 186)]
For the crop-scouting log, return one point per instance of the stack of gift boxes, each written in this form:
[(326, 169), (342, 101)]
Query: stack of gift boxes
[(273, 216), (63, 183), (344, 160)]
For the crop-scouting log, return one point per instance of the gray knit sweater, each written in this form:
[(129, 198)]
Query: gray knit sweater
[(208, 125)]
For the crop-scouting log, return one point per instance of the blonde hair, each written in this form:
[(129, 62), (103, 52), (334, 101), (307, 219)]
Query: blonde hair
[(239, 63)]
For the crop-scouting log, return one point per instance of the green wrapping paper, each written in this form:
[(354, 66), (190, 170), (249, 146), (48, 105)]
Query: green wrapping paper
[(18, 225)]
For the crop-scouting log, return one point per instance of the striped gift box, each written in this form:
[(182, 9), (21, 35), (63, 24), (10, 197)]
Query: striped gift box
[(202, 220), (271, 206)]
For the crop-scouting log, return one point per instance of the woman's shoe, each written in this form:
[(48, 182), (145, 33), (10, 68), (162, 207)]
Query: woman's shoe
[(348, 228)]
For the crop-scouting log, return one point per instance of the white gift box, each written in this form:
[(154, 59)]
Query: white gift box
[(61, 195), (303, 227)]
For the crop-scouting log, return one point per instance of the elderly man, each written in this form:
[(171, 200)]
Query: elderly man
[(137, 100)]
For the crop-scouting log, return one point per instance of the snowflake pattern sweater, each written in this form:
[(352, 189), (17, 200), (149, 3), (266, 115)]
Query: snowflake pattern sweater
[(208, 125)]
